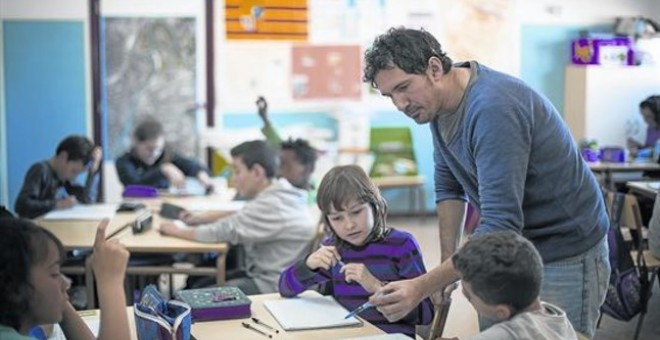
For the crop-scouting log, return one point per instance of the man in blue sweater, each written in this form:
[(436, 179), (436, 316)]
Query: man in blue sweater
[(503, 147)]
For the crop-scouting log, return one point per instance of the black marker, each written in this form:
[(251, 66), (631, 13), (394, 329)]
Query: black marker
[(248, 326), (259, 322)]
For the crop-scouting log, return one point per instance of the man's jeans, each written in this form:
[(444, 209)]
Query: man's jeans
[(578, 285)]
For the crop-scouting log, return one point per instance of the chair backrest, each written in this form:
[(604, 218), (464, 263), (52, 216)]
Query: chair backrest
[(393, 150)]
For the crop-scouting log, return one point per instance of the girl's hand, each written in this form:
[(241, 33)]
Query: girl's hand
[(359, 273), (326, 257), (109, 258)]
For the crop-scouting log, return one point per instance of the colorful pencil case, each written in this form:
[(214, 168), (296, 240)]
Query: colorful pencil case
[(217, 303)]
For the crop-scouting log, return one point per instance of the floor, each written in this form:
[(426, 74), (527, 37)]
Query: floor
[(462, 318)]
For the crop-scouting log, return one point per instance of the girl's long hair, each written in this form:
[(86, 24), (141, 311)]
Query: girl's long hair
[(343, 184)]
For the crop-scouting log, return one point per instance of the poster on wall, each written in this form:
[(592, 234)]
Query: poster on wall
[(266, 19), (149, 71), (326, 72)]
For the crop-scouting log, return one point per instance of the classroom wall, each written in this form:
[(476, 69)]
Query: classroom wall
[(45, 83), (544, 28)]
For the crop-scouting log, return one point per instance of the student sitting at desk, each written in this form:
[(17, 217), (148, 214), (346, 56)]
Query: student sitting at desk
[(650, 110), (274, 226), (363, 254), (50, 184), (150, 162), (33, 291), (501, 275), (298, 158)]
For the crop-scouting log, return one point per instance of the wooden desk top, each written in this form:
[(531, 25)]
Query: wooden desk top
[(623, 167), (648, 189), (232, 329), (398, 181), (80, 235)]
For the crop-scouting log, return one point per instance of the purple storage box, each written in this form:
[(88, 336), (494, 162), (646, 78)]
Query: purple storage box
[(139, 191), (613, 154), (590, 155), (602, 51)]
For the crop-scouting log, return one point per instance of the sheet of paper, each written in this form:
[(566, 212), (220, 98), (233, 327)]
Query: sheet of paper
[(310, 312), (83, 212)]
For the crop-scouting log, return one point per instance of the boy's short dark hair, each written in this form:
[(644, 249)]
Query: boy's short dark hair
[(78, 148), (502, 268), (257, 152), (148, 129), (23, 244), (305, 153)]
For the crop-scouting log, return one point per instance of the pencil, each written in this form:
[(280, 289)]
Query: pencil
[(116, 232), (248, 326)]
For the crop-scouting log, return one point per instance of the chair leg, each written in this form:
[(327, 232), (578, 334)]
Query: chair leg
[(639, 325)]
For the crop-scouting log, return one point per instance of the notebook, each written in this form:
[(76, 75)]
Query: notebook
[(310, 312)]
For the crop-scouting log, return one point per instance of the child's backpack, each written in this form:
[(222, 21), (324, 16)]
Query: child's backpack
[(624, 297)]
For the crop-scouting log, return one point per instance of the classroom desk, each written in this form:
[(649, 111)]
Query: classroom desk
[(609, 168), (642, 188), (462, 322), (80, 235), (415, 185), (232, 329)]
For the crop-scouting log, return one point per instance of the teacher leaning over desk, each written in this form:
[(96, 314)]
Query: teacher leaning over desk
[(504, 147)]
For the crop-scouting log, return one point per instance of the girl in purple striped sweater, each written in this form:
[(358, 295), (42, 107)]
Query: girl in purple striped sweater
[(362, 254)]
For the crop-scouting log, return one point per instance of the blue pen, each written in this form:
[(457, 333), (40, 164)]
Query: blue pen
[(364, 306), (358, 310)]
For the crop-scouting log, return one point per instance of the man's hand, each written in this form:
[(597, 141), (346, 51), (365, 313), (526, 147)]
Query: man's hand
[(397, 299), (359, 273), (325, 257), (173, 175), (109, 258)]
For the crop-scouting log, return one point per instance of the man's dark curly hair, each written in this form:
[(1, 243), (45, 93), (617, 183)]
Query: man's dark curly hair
[(405, 48), (305, 153), (502, 268), (23, 245)]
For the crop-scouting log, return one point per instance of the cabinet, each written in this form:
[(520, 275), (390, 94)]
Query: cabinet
[(602, 103)]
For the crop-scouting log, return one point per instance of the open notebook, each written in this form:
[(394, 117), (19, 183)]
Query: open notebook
[(310, 312)]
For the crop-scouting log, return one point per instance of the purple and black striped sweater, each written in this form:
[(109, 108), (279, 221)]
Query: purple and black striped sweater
[(396, 257)]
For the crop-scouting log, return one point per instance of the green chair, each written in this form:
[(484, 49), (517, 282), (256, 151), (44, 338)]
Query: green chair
[(393, 151), (395, 165)]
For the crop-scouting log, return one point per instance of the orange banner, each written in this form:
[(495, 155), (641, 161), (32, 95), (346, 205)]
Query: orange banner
[(266, 19)]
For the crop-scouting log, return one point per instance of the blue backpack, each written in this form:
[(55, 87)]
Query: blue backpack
[(628, 284)]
